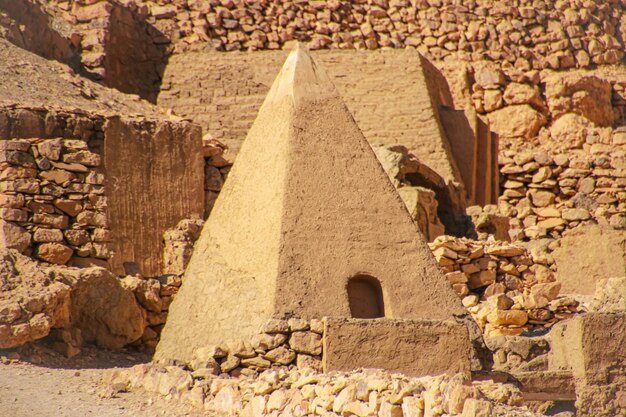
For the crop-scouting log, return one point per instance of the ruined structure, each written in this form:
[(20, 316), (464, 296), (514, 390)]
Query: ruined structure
[(90, 176), (298, 222), (77, 184)]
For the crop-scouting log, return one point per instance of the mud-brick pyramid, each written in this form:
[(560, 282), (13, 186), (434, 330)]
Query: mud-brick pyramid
[(307, 225)]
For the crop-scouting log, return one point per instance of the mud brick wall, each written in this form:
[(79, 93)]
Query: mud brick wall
[(225, 99)]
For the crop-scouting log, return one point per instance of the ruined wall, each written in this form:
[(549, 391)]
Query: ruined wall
[(524, 33), (546, 193), (154, 179), (52, 193), (76, 187)]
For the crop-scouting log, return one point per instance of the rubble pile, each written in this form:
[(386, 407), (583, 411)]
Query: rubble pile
[(305, 392), (508, 289)]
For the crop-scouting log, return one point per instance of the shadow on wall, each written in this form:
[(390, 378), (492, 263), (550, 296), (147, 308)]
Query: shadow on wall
[(136, 54), (30, 27)]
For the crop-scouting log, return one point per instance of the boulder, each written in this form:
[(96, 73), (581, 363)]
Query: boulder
[(110, 321), (517, 121)]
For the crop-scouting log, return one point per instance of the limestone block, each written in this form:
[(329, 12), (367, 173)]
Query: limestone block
[(349, 343), (588, 254), (521, 121)]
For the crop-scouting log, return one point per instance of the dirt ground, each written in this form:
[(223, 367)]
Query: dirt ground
[(43, 383)]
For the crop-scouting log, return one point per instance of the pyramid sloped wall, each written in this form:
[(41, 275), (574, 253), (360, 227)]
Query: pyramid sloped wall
[(393, 95), (285, 237)]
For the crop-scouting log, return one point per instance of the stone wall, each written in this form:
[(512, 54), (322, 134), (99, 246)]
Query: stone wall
[(52, 193), (546, 193), (509, 289), (76, 187), (521, 33)]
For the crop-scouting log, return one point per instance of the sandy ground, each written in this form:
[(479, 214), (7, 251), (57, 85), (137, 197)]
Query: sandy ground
[(45, 384)]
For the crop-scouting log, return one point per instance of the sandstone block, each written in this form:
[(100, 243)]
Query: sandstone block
[(265, 342), (476, 408), (69, 207), (53, 220), (86, 158), (306, 342), (575, 214), (54, 253), (112, 321), (481, 279), (50, 149), (507, 317), (230, 363), (281, 355), (76, 237), (521, 121), (47, 235), (11, 200)]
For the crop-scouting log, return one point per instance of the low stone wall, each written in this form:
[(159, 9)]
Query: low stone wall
[(546, 193), (280, 343)]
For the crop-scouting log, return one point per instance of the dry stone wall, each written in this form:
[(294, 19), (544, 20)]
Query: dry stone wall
[(509, 289), (52, 190), (521, 33), (546, 193), (76, 186)]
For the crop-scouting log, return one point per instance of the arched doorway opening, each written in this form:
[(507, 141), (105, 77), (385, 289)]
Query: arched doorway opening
[(365, 296)]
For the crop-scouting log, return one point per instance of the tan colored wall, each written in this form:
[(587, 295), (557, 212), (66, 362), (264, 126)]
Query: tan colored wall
[(154, 179), (593, 348), (386, 91), (396, 346), (588, 254)]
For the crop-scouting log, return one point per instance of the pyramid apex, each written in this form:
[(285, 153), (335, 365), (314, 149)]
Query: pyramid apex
[(300, 78)]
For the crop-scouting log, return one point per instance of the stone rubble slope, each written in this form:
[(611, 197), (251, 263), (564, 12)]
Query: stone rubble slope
[(54, 85)]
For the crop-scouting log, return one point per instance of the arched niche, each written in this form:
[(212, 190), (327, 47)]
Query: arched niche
[(365, 296)]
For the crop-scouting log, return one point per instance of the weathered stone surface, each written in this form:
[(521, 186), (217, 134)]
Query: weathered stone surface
[(348, 344), (111, 321), (306, 342), (517, 121), (581, 345), (55, 253), (588, 254), (610, 295), (585, 94), (13, 236)]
